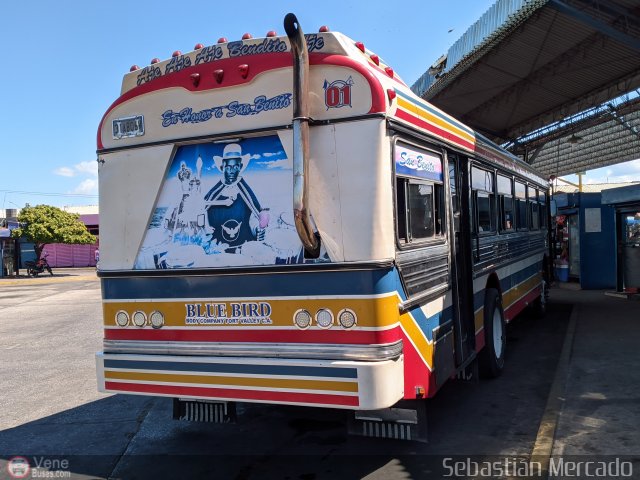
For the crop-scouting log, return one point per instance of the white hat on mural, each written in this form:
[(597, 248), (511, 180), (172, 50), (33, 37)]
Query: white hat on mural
[(232, 150)]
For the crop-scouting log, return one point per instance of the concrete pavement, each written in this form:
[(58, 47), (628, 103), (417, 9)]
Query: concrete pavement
[(600, 412)]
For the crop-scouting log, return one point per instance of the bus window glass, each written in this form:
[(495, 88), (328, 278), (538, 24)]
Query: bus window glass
[(483, 200), (420, 195), (534, 210), (521, 205), (421, 211), (453, 185), (484, 204), (505, 201), (543, 209), (482, 180), (401, 206)]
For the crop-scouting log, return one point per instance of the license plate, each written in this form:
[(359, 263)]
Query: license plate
[(128, 127)]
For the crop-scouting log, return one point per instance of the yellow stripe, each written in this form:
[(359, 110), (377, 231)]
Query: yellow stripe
[(424, 348), (296, 384), (371, 312), (429, 117), (517, 292)]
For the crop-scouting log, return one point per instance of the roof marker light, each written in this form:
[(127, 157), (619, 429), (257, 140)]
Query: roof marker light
[(323, 29), (222, 40), (376, 59), (195, 79), (272, 33), (134, 68), (155, 60), (198, 46), (247, 36), (244, 70), (389, 71), (219, 74), (391, 93), (360, 46), (177, 53)]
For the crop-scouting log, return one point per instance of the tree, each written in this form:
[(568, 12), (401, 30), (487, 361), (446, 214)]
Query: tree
[(44, 224)]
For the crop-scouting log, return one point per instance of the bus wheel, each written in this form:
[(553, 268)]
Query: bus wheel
[(491, 358)]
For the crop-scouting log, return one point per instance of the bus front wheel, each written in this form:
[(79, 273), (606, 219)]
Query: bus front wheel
[(491, 358)]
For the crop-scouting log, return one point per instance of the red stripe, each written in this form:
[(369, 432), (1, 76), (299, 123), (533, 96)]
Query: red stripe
[(433, 129), (231, 394), (257, 64), (261, 336)]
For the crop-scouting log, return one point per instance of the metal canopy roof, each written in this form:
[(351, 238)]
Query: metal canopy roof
[(542, 76)]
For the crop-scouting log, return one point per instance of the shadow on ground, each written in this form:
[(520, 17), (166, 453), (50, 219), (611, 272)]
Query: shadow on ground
[(133, 437)]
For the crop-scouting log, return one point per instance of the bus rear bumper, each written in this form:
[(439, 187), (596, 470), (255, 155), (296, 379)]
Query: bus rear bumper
[(355, 385)]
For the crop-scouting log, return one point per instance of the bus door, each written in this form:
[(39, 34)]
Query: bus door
[(461, 258)]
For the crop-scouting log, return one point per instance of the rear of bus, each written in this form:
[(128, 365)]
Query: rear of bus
[(209, 295)]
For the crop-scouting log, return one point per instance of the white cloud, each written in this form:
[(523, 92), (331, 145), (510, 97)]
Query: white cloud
[(270, 154), (87, 167), (82, 169), (88, 186), (64, 172), (284, 163)]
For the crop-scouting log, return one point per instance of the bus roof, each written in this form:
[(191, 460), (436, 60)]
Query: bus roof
[(348, 75)]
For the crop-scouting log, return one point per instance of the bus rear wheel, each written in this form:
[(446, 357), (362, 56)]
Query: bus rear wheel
[(491, 358)]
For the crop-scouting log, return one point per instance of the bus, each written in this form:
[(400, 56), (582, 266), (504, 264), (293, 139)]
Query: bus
[(285, 222)]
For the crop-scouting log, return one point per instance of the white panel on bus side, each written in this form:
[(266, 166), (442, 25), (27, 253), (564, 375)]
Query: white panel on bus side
[(129, 184), (366, 194)]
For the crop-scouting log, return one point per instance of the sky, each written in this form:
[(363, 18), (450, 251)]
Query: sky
[(64, 63)]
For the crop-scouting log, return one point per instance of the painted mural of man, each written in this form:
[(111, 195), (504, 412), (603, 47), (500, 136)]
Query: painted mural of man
[(233, 211)]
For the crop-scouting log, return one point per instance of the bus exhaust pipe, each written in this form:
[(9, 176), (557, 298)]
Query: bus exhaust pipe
[(308, 236)]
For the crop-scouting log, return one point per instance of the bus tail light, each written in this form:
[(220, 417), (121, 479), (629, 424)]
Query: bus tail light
[(122, 318), (157, 319), (302, 319), (347, 318), (139, 318), (324, 318)]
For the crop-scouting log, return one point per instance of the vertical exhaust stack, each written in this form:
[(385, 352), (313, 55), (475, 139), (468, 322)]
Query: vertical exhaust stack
[(308, 237)]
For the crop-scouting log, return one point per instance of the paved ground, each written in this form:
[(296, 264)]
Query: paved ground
[(50, 329)]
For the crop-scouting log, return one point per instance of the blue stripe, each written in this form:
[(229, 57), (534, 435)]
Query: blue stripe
[(253, 285), (431, 110), (507, 283), (298, 371)]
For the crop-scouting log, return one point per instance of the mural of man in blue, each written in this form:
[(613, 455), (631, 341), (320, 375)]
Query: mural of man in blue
[(233, 211)]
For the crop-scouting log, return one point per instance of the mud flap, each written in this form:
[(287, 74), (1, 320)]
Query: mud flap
[(204, 411), (405, 421)]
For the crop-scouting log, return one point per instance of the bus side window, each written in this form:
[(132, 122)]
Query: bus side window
[(483, 200), (420, 210), (505, 201), (543, 209), (534, 210), (521, 206), (401, 213)]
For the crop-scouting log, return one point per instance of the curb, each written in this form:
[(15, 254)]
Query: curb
[(543, 446)]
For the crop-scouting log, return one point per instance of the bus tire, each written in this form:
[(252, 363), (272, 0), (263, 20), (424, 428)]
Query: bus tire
[(491, 357)]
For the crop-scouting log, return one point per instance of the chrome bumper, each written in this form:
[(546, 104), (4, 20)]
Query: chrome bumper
[(362, 353)]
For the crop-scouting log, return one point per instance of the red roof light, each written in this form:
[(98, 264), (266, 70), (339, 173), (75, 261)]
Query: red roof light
[(323, 29), (198, 46), (247, 36), (177, 53), (222, 40), (360, 46), (134, 68), (272, 33), (155, 60)]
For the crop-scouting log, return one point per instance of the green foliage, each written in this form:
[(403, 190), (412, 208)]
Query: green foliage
[(45, 224)]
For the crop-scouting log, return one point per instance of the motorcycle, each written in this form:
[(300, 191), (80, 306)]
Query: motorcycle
[(35, 268)]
